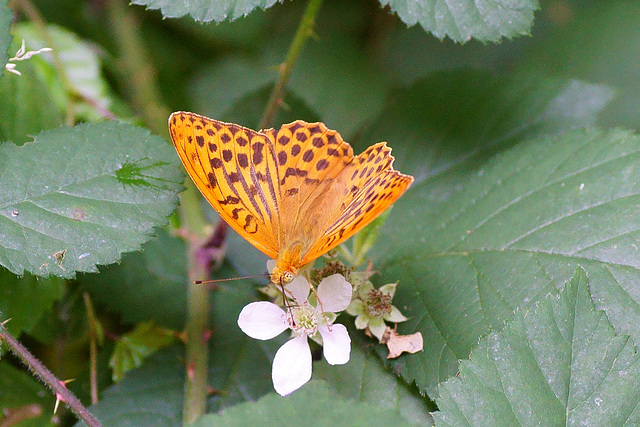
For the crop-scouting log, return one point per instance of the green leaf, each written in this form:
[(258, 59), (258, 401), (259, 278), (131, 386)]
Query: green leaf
[(206, 10), (598, 43), (461, 20), (315, 403), (459, 159), (25, 399), (26, 299), (148, 396), (134, 347), (81, 65), (448, 117), (6, 16), (156, 275), (365, 379), (81, 196), (508, 235), (557, 363)]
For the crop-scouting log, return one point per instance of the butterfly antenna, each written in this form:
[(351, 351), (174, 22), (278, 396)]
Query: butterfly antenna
[(198, 282), (286, 303)]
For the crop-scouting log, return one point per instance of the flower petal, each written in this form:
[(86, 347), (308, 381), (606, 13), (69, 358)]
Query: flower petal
[(377, 327), (335, 293), (336, 344), (262, 320), (291, 366), (356, 307), (298, 289), (271, 264), (389, 289), (395, 316), (362, 321)]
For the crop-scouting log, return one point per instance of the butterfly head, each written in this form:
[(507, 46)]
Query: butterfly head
[(282, 276)]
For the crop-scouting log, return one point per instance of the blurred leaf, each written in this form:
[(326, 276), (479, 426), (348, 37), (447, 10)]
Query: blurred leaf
[(25, 399), (215, 89), (597, 42), (506, 237), (206, 10), (156, 275), (314, 403), (333, 78), (28, 105), (487, 21), (249, 109), (406, 55), (134, 347), (365, 380), (6, 16), (449, 117), (336, 79), (81, 196), (558, 363), (81, 64), (26, 299)]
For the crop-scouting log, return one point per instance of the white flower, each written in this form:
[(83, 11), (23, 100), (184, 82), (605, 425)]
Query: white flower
[(292, 363), (373, 307)]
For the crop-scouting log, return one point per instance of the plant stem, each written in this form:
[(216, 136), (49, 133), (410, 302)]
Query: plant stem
[(305, 30), (197, 357), (46, 376), (137, 68), (141, 77), (93, 347)]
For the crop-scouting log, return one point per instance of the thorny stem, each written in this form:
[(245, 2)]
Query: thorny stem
[(46, 376), (305, 30)]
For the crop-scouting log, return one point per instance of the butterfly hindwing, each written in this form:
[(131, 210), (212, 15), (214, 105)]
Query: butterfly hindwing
[(373, 185), (234, 168)]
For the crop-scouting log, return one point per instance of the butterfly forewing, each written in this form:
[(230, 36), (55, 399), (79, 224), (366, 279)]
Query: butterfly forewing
[(234, 168), (310, 159)]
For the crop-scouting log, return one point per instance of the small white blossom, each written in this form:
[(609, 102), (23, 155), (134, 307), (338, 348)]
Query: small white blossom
[(372, 307), (21, 55), (292, 363)]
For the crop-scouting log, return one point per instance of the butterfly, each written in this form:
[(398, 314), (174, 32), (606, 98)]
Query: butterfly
[(295, 192)]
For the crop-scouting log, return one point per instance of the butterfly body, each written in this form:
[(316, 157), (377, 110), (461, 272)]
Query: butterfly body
[(294, 193)]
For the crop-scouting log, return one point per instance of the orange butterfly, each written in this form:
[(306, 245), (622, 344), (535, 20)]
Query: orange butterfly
[(294, 193)]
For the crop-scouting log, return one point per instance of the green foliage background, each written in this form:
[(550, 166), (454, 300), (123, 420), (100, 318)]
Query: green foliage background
[(515, 250)]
